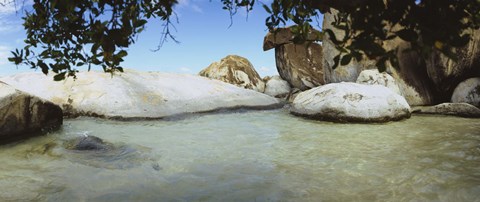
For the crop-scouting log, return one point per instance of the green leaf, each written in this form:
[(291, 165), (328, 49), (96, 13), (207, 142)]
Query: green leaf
[(346, 59), (267, 9), (122, 54), (407, 35), (59, 77), (336, 59)]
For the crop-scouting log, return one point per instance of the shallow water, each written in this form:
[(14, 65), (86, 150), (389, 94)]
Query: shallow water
[(249, 156)]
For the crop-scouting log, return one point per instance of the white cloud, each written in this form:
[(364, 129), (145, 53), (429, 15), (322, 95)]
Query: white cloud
[(185, 70), (267, 71), (189, 5)]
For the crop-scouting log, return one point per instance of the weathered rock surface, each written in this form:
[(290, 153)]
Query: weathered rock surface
[(23, 115), (446, 73), (135, 94), (276, 87), (235, 70), (283, 36), (345, 102), (455, 109), (300, 64), (411, 77), (468, 92), (374, 77)]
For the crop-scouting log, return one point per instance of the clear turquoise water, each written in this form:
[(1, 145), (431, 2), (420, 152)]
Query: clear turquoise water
[(250, 156)]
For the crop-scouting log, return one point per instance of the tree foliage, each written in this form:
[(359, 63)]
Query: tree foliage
[(62, 35)]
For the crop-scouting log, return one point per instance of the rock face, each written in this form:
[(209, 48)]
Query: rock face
[(298, 64), (455, 109), (446, 73), (23, 115), (276, 87), (282, 36), (468, 92), (374, 77), (345, 102), (135, 94), (422, 82), (235, 70)]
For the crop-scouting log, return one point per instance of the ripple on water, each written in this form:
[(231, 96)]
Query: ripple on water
[(248, 156)]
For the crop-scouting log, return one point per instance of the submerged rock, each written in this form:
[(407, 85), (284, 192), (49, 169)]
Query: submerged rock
[(351, 102), (89, 143), (134, 95), (23, 115), (455, 109), (235, 70)]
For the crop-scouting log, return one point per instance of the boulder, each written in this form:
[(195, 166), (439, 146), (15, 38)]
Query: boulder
[(276, 87), (468, 92), (23, 115), (235, 70), (282, 36), (351, 102), (374, 77), (300, 64), (455, 109), (88, 143), (411, 76), (134, 95)]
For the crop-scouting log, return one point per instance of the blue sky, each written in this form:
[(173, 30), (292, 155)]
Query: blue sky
[(203, 31)]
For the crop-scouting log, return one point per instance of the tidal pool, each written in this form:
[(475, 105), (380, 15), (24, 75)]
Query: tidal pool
[(249, 156)]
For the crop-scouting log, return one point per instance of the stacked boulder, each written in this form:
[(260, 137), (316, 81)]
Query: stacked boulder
[(299, 64)]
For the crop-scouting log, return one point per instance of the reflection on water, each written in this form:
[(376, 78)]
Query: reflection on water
[(262, 156)]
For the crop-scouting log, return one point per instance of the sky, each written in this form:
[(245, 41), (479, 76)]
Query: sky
[(203, 30)]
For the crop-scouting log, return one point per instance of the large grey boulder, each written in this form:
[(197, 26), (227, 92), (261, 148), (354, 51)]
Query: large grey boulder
[(23, 115), (454, 109), (374, 77), (277, 87), (468, 92), (345, 102), (235, 70), (136, 94)]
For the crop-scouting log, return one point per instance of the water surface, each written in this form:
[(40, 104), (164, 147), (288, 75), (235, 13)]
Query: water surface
[(249, 156)]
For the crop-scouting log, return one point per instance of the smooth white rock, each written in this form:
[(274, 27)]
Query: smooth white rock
[(374, 77), (277, 87), (351, 102), (136, 94)]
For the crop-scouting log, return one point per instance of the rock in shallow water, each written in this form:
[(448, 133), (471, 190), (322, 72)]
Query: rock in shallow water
[(133, 94), (351, 102), (23, 115), (90, 143), (455, 109)]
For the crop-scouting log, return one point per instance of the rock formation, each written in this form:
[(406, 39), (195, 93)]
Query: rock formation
[(351, 102), (135, 94), (298, 64), (235, 70), (468, 92), (23, 115), (276, 87)]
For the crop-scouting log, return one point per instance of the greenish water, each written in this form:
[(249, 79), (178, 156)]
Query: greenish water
[(250, 156)]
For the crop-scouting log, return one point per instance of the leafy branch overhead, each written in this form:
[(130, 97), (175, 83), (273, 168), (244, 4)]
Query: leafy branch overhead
[(63, 35)]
